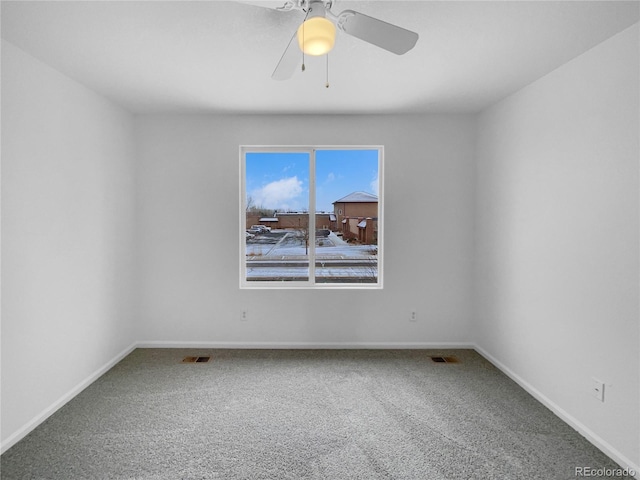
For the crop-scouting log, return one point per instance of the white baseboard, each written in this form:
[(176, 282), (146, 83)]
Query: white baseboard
[(595, 439), (47, 412), (309, 345)]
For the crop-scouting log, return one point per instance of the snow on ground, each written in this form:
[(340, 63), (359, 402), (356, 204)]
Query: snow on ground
[(284, 248), (287, 244)]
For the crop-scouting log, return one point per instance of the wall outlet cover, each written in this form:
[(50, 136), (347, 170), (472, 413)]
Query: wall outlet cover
[(597, 389)]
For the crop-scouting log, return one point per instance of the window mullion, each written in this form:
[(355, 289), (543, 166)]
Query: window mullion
[(312, 216)]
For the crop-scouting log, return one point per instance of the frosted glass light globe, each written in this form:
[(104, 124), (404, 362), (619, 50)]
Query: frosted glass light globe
[(319, 36)]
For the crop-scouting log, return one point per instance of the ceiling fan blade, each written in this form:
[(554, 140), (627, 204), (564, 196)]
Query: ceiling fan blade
[(281, 5), (385, 35), (289, 60)]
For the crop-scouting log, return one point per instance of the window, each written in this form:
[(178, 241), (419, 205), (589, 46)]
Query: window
[(283, 245)]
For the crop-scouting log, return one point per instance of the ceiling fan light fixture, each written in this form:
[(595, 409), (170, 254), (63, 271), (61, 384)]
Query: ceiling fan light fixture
[(316, 36)]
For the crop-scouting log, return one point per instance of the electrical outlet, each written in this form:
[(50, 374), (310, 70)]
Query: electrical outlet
[(413, 316), (597, 389), (244, 315)]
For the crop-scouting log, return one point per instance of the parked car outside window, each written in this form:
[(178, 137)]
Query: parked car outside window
[(257, 229)]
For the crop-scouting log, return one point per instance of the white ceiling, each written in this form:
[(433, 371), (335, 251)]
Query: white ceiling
[(214, 56)]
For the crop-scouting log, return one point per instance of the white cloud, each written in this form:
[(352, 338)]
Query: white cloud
[(375, 184), (279, 194), (331, 177)]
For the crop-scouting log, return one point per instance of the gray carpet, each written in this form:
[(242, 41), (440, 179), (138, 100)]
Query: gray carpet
[(302, 414)]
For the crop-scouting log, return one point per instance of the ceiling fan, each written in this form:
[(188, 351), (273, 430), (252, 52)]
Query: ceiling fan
[(316, 35)]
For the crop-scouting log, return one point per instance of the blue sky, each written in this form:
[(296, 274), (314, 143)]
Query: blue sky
[(281, 180)]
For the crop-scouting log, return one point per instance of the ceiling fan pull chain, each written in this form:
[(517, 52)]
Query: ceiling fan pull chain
[(303, 40), (327, 84)]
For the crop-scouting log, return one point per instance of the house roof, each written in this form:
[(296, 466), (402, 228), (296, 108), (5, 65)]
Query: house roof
[(356, 197)]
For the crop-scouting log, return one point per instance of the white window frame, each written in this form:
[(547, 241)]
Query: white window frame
[(310, 283)]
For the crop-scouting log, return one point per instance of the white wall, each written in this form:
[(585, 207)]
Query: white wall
[(188, 194), (557, 240), (67, 228)]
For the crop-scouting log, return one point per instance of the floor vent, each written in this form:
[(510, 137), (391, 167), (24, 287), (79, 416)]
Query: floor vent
[(196, 359), (444, 359)]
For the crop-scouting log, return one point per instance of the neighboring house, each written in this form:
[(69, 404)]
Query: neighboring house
[(293, 220), (357, 215), (301, 219), (259, 218), (268, 222), (356, 204)]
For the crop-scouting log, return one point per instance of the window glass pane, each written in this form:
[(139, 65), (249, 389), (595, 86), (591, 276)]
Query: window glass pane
[(347, 214), (277, 216)]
